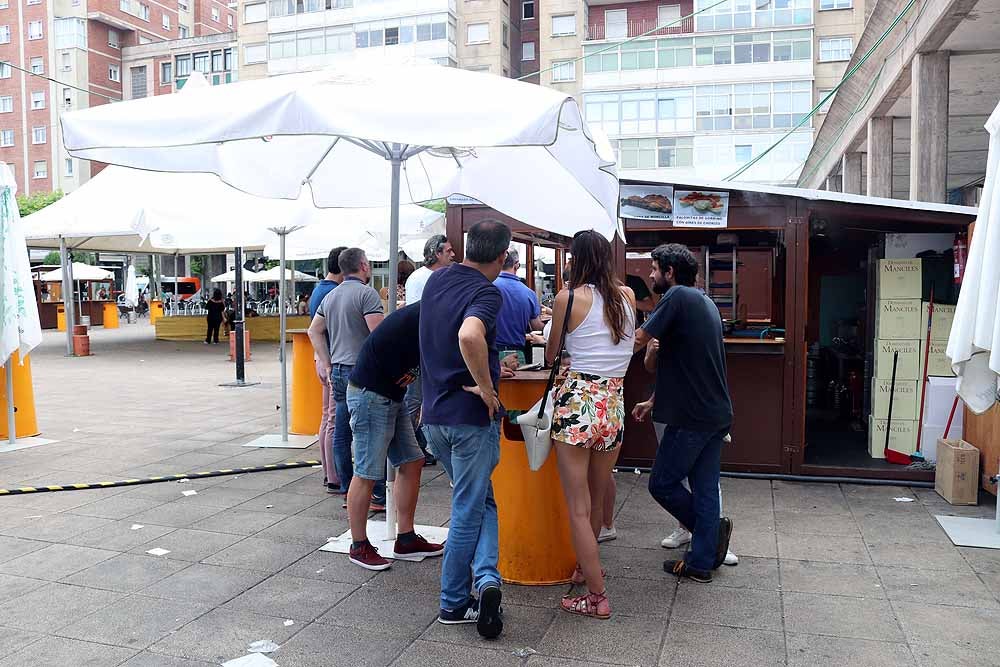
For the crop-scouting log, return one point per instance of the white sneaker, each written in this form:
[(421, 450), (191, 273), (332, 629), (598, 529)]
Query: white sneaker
[(678, 538), (607, 534), (731, 559)]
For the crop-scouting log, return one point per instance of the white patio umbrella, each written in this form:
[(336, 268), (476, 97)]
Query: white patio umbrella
[(20, 330), (79, 271), (131, 287), (369, 134), (974, 343), (230, 277), (273, 275)]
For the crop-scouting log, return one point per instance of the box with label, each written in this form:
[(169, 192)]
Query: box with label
[(899, 319), (902, 436), (908, 366), (904, 402), (957, 476), (944, 315), (899, 279), (938, 363)]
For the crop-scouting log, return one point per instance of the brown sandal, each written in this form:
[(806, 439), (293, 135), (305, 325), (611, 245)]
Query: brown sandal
[(592, 605), (578, 579)]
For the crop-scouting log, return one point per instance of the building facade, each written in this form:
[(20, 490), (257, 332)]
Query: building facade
[(839, 24), (79, 44)]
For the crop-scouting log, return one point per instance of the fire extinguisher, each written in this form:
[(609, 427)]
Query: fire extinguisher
[(960, 250)]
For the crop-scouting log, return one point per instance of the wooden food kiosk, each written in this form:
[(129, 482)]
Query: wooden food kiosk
[(795, 275)]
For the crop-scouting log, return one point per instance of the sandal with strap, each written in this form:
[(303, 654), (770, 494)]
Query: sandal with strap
[(592, 605), (578, 579)]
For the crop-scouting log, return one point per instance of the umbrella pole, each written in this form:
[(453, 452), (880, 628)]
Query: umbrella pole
[(67, 289), (396, 160), (282, 342), (11, 425), (240, 312)]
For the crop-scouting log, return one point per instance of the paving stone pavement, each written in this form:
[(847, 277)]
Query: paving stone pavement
[(829, 574)]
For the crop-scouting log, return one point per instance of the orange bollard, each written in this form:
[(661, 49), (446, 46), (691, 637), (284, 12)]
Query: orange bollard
[(307, 392), (246, 345), (535, 544), (81, 346), (25, 420)]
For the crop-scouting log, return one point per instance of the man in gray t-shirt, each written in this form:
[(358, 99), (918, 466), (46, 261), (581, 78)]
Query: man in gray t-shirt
[(345, 318)]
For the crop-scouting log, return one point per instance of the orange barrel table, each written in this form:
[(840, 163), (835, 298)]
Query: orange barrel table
[(111, 316), (307, 392), (535, 545), (61, 318), (25, 421), (155, 310)]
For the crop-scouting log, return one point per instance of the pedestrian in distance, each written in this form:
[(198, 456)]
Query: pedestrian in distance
[(216, 306)]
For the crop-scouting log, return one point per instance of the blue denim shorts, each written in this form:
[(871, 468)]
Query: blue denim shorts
[(382, 429)]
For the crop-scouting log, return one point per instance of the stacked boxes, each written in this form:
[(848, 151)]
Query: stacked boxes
[(901, 326)]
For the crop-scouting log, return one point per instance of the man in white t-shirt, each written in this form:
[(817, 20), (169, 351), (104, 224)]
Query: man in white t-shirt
[(438, 254)]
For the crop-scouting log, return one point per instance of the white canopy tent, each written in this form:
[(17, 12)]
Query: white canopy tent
[(230, 277), (273, 275), (79, 271)]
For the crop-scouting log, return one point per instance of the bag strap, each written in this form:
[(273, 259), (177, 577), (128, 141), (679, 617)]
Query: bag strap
[(558, 360)]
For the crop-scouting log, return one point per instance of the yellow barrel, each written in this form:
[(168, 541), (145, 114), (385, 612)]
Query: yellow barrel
[(61, 318), (111, 316), (155, 310), (25, 421), (535, 544), (307, 392)]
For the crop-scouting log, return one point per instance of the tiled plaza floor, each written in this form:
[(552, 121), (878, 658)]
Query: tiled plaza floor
[(829, 575)]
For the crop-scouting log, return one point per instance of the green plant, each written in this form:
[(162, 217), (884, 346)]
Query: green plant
[(28, 204), (197, 265), (53, 258), (439, 205)]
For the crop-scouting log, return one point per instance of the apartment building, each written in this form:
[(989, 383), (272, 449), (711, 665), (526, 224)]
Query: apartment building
[(839, 25), (161, 68), (701, 97), (80, 44)]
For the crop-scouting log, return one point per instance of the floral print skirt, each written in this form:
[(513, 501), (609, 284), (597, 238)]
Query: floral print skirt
[(589, 412)]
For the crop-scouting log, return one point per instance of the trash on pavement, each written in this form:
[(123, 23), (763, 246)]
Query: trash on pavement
[(158, 552), (263, 646), (252, 660), (903, 500), (189, 492), (524, 652), (136, 526)]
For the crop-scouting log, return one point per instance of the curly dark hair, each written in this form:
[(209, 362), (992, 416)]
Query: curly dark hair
[(680, 258)]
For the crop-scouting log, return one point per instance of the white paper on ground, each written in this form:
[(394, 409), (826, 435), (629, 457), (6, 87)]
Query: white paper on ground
[(137, 526), (158, 552), (903, 500), (252, 660), (263, 646), (289, 623), (189, 492)]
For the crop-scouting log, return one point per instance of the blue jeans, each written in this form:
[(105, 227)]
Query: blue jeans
[(382, 430), (342, 436), (469, 454), (412, 402), (694, 455)]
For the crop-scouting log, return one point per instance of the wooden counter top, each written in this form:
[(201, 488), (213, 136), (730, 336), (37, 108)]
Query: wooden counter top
[(528, 376), (752, 341)]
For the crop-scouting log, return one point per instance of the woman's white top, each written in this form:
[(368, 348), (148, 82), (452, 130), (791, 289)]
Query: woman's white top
[(591, 347)]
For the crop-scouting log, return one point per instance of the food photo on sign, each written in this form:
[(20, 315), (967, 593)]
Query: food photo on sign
[(697, 208), (648, 202)]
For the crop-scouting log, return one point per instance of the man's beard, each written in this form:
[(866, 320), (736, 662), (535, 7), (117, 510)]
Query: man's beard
[(660, 285)]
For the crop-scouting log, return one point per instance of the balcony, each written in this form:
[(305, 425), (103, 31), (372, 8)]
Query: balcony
[(601, 32)]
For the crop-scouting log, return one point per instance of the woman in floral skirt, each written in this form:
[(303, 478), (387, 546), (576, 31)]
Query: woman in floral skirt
[(589, 406)]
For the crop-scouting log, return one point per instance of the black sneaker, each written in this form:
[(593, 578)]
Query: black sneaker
[(467, 614), (681, 569), (429, 460), (725, 532), (490, 621)]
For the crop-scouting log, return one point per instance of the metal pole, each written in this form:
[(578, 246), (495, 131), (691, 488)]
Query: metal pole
[(282, 327), (238, 324), (11, 424), (67, 290), (396, 161), (177, 296)]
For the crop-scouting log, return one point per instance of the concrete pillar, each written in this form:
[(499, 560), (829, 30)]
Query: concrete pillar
[(929, 126), (850, 172), (879, 157), (835, 183)]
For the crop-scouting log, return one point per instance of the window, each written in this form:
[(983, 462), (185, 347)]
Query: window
[(744, 153), (38, 135), (564, 25), (820, 96), (4, 34), (637, 153), (125, 6), (138, 79), (166, 73), (477, 33), (832, 49), (68, 97), (668, 15), (68, 167), (6, 104), (563, 70), (229, 20), (227, 60), (143, 12), (202, 62), (66, 61), (114, 74), (4, 4), (638, 55), (183, 66), (528, 10), (183, 31), (792, 45), (6, 138), (615, 23), (739, 14), (71, 33), (218, 62), (166, 22), (113, 39), (527, 51), (35, 30), (41, 169), (713, 50), (37, 100), (182, 4), (37, 66), (283, 46), (5, 70), (834, 4), (254, 53), (256, 13), (675, 152), (505, 35), (215, 14), (674, 53)]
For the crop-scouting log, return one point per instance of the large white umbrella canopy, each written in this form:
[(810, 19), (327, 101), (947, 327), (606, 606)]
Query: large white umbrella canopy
[(273, 275), (20, 330), (80, 271), (230, 277), (131, 287), (974, 343)]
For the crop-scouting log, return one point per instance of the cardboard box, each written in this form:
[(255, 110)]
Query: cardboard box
[(908, 367), (902, 436), (937, 404), (957, 477), (944, 315), (899, 319), (938, 363), (900, 279), (904, 402)]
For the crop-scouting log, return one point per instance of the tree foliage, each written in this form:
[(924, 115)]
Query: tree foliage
[(439, 205), (28, 204), (52, 258)]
